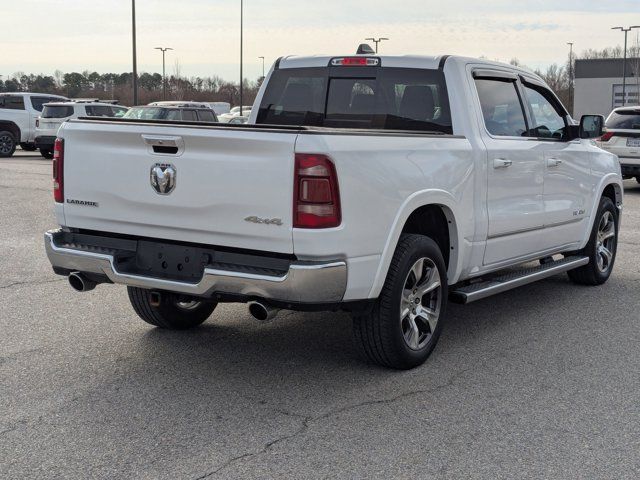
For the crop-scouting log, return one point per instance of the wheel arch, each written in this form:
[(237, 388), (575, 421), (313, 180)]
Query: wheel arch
[(610, 186), (425, 213), (13, 128)]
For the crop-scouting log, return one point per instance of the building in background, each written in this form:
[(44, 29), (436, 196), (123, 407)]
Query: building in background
[(598, 85)]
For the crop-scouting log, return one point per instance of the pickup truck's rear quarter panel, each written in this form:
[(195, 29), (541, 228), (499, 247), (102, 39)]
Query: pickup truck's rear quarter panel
[(223, 176), (377, 175)]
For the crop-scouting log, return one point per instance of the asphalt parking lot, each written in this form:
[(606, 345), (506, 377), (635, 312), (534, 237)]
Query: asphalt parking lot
[(541, 382)]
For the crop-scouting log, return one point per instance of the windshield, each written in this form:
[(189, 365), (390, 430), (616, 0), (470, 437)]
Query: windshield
[(624, 119), (146, 113), (57, 111), (358, 97)]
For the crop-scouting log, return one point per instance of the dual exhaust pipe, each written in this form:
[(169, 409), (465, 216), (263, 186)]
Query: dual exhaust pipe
[(258, 310)]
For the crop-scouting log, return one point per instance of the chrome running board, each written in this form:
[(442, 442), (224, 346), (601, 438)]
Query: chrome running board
[(514, 279)]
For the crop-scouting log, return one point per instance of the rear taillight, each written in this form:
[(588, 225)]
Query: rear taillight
[(58, 170), (316, 198), (606, 136)]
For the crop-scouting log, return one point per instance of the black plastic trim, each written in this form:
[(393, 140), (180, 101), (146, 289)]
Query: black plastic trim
[(443, 62)]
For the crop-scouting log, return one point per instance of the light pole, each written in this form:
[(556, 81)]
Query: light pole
[(164, 81), (624, 61), (135, 59), (241, 39), (262, 58), (571, 87), (377, 41)]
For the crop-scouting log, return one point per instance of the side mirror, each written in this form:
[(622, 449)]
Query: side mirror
[(591, 126)]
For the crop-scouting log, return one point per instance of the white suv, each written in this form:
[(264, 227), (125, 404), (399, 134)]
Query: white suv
[(18, 114), (56, 113), (622, 137)]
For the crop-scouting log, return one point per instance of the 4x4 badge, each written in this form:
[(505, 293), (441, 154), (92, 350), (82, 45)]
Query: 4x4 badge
[(163, 178)]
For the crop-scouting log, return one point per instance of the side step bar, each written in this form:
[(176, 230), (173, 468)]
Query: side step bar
[(514, 279)]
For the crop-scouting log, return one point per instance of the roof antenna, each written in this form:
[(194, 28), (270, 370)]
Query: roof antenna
[(365, 49)]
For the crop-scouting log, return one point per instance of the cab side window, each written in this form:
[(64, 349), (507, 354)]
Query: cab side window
[(547, 121), (12, 102), (501, 107)]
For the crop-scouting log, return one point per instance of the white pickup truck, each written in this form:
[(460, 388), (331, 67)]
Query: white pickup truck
[(384, 186), (19, 113)]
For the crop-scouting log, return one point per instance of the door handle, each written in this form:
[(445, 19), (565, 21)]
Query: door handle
[(502, 163), (553, 162)]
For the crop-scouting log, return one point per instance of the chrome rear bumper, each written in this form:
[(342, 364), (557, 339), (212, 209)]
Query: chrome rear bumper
[(305, 282)]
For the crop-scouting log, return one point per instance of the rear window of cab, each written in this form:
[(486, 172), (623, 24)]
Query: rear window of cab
[(358, 97)]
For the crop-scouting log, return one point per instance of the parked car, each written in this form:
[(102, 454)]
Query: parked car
[(382, 186), (18, 114), (220, 107), (622, 138), (172, 113), (238, 120), (55, 113), (235, 112)]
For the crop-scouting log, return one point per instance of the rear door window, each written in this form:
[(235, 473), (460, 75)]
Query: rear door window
[(57, 111), (189, 115), (501, 108), (624, 119), (12, 102)]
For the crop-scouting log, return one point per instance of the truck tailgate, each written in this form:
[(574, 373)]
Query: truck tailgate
[(222, 178)]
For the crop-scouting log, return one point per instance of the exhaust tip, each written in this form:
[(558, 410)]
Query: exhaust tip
[(261, 312), (80, 283)]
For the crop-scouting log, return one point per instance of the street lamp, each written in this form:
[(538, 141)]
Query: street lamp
[(262, 66), (624, 61), (377, 41), (241, 40), (135, 60), (571, 87), (164, 81)]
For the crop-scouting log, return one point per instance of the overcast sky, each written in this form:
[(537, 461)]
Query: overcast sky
[(40, 36)]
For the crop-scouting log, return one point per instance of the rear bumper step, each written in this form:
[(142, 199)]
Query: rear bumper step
[(305, 282), (499, 284)]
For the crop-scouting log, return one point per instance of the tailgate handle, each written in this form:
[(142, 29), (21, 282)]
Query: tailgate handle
[(164, 144)]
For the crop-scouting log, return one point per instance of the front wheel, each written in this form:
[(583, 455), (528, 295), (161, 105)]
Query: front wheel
[(601, 249), (408, 317), (7, 144), (46, 153), (168, 310)]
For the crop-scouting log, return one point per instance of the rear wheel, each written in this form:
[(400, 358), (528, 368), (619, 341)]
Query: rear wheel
[(7, 144), (408, 317), (46, 153), (168, 310), (601, 249)]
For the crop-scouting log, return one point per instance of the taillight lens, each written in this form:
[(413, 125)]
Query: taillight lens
[(355, 62), (606, 136), (316, 198), (58, 170)]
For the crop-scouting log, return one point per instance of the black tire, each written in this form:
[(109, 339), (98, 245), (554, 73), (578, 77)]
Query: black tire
[(380, 336), (596, 272), (7, 144), (638, 179), (28, 147), (168, 315), (46, 153)]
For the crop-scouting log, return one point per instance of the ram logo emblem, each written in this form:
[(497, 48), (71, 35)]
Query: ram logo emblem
[(163, 178)]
